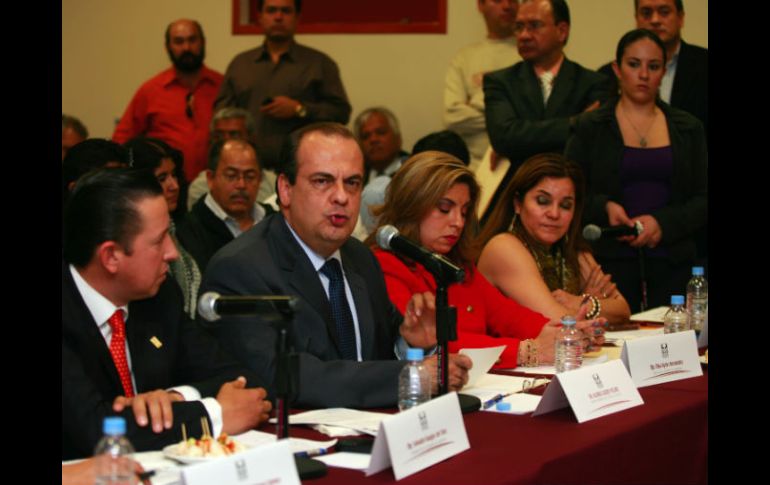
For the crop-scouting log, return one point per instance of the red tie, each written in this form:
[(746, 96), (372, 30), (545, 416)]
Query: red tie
[(118, 350)]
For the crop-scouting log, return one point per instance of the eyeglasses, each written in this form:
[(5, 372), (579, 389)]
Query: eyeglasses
[(234, 176), (189, 100), (533, 26)]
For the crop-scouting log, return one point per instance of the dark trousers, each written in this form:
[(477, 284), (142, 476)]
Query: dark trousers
[(663, 279)]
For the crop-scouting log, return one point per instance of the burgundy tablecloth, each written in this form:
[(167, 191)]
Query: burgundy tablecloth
[(664, 441)]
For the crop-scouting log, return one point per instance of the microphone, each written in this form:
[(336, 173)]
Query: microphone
[(212, 306), (389, 238), (593, 232)]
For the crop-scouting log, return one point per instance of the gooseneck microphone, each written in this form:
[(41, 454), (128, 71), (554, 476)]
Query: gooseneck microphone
[(593, 232), (212, 306), (388, 238)]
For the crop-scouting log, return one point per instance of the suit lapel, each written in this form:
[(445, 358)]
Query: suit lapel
[(561, 89), (301, 275), (683, 77), (78, 325), (528, 90), (363, 308)]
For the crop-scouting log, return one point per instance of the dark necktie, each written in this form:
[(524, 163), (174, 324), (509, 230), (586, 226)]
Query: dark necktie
[(118, 350), (343, 319)]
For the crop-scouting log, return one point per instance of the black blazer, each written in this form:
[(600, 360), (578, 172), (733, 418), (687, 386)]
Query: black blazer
[(690, 91), (268, 260), (518, 123), (90, 381), (202, 233), (597, 145)]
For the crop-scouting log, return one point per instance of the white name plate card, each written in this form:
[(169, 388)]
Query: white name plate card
[(271, 464), (592, 391), (662, 358), (415, 439)]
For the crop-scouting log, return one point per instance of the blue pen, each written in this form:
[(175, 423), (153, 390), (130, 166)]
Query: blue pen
[(496, 399), (309, 453)]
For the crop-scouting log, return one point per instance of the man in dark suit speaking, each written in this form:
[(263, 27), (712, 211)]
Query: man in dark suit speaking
[(126, 338), (346, 331)]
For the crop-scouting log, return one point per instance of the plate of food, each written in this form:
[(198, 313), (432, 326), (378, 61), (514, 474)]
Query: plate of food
[(204, 449)]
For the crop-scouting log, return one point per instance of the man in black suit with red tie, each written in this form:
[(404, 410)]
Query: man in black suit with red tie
[(125, 336)]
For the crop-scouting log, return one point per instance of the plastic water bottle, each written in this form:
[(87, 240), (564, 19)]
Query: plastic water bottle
[(569, 346), (697, 299), (413, 381), (676, 319), (114, 455)]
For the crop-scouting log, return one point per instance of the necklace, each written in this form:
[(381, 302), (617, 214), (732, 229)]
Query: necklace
[(642, 138)]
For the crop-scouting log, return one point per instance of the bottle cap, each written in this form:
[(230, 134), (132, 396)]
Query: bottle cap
[(503, 406), (568, 320), (414, 354), (697, 270), (114, 425), (677, 300)]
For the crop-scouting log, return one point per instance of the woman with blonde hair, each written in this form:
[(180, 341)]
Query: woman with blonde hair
[(533, 248), (432, 200)]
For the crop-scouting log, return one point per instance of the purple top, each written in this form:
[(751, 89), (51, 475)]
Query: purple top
[(645, 179)]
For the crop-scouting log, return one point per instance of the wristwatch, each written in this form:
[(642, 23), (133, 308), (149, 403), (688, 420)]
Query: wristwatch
[(301, 110)]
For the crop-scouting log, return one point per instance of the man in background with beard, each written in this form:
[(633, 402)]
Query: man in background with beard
[(176, 105)]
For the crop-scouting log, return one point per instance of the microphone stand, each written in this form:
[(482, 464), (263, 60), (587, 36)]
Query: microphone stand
[(642, 280), (446, 330), (286, 384)]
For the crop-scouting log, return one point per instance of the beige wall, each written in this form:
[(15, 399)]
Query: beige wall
[(110, 47)]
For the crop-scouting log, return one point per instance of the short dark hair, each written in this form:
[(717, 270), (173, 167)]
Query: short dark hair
[(215, 152), (288, 164), (195, 22), (297, 5), (68, 121), (103, 208), (444, 141), (89, 155), (677, 3), (635, 35), (560, 11)]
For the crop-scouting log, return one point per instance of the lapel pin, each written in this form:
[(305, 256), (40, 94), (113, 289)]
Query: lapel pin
[(156, 342)]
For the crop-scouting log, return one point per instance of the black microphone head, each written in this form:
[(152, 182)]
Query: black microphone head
[(206, 306), (592, 232), (384, 235)]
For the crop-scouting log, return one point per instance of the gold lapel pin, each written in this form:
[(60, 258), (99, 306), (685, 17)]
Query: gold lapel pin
[(156, 342)]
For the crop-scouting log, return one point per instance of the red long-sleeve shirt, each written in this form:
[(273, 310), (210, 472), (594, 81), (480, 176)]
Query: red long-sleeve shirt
[(485, 317)]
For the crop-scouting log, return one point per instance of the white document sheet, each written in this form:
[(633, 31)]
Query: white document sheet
[(366, 422), (345, 459), (652, 315), (483, 360)]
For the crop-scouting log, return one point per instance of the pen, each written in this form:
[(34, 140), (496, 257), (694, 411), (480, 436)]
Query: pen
[(488, 404), (309, 453)]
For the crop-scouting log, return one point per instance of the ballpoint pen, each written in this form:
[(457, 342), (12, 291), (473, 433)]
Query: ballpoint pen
[(309, 453), (488, 404)]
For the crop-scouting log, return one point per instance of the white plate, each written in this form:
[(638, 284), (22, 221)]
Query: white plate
[(170, 451)]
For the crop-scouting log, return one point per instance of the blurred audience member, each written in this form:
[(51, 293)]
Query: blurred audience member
[(73, 131), (176, 105)]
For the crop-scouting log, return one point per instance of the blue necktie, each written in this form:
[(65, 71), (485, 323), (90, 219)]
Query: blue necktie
[(343, 319)]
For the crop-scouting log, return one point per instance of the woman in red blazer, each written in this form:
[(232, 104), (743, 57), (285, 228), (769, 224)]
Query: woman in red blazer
[(432, 200)]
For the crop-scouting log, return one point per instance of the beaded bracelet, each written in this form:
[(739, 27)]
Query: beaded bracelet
[(596, 306)]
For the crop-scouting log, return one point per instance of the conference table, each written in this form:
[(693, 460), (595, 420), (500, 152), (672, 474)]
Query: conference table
[(663, 441)]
